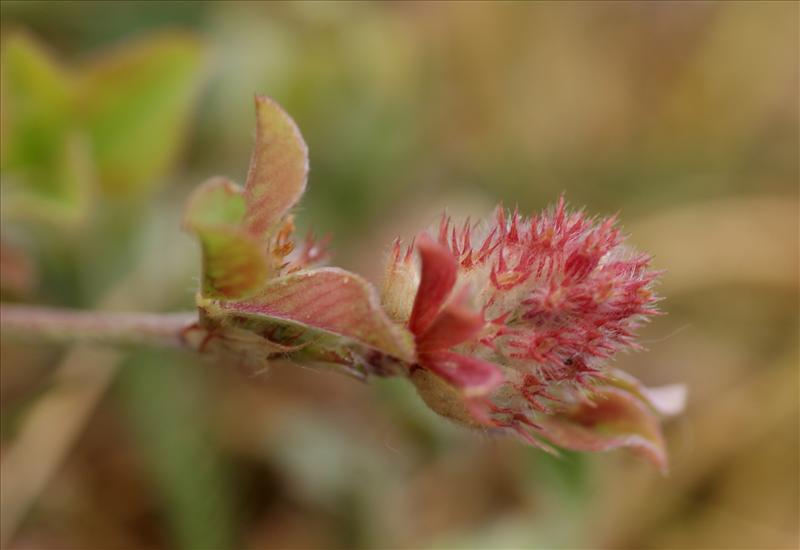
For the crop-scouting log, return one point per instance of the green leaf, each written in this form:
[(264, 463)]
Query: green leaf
[(46, 170), (135, 103), (118, 121), (218, 201), (35, 102), (278, 169), (235, 263)]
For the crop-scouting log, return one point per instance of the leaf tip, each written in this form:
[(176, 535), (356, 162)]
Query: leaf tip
[(278, 169)]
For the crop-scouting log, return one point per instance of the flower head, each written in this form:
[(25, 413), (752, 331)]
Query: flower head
[(515, 320)]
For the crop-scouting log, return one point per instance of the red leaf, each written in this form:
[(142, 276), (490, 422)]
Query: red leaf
[(436, 281)]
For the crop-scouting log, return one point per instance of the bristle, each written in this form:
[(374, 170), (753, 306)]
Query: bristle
[(410, 251), (466, 240), (444, 223), (454, 242)]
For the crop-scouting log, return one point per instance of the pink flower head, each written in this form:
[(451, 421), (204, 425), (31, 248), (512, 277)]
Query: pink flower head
[(515, 321)]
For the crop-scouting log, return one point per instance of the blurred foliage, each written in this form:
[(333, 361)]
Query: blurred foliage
[(684, 116), (164, 398), (82, 148), (117, 120)]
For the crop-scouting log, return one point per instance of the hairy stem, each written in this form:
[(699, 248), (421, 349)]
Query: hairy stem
[(44, 324)]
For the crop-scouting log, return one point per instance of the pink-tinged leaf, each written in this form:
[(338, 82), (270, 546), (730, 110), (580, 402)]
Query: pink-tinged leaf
[(667, 400), (471, 376), (615, 419), (437, 279), (278, 169), (332, 300), (456, 323), (235, 263)]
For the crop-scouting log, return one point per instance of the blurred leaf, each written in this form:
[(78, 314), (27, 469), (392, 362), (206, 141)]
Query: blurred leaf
[(135, 103), (118, 121), (35, 101), (44, 160)]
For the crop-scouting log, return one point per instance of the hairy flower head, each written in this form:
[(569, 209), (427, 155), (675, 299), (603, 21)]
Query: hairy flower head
[(515, 320)]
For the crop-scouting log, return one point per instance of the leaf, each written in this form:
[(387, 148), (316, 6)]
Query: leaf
[(35, 102), (44, 160), (614, 419), (235, 263), (58, 190), (119, 119), (278, 169), (333, 300), (218, 201), (135, 103)]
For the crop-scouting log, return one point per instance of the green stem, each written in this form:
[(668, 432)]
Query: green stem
[(42, 324)]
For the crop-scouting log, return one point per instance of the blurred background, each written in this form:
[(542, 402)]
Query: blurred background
[(682, 116)]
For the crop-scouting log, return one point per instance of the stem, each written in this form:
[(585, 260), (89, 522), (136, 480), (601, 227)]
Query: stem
[(98, 327)]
